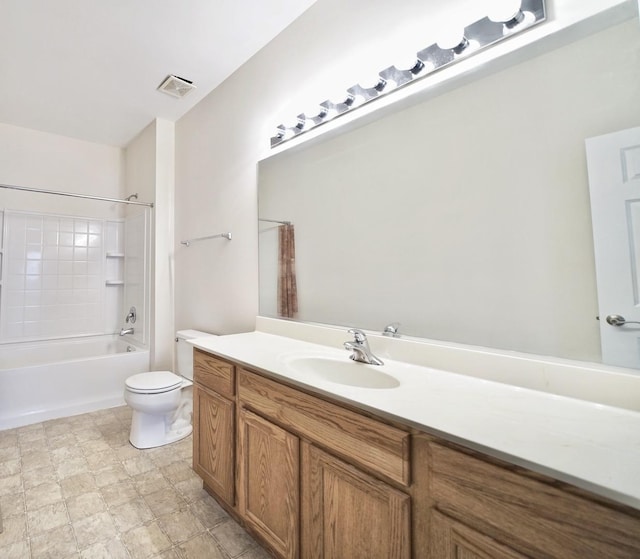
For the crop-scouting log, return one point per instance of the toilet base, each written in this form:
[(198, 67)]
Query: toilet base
[(150, 431)]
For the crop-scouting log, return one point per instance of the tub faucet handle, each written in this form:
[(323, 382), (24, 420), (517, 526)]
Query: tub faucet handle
[(131, 317)]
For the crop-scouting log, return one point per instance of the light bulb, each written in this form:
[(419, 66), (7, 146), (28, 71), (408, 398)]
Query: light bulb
[(410, 62), (313, 111), (453, 39), (505, 11)]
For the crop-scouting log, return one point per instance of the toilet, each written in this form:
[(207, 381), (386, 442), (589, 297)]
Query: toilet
[(161, 400)]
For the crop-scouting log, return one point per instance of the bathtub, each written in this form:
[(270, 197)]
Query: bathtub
[(57, 378)]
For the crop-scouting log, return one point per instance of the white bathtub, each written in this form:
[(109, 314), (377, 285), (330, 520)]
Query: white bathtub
[(58, 378)]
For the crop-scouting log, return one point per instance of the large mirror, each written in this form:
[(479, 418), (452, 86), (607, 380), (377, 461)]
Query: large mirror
[(465, 218)]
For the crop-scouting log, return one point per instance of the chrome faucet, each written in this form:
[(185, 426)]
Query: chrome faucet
[(392, 330), (360, 348), (125, 331), (131, 317)]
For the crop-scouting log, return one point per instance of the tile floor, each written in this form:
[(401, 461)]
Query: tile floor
[(75, 488)]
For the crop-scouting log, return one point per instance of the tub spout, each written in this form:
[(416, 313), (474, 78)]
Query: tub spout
[(125, 331)]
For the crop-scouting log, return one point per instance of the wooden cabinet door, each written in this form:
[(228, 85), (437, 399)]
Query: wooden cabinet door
[(452, 540), (214, 442), (268, 482), (347, 514)]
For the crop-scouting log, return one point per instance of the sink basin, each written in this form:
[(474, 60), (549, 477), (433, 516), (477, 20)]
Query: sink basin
[(345, 372)]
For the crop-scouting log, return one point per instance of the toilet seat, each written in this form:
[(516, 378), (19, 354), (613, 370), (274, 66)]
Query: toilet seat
[(154, 382)]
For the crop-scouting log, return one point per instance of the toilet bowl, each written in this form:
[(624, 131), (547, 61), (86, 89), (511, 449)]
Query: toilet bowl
[(161, 404)]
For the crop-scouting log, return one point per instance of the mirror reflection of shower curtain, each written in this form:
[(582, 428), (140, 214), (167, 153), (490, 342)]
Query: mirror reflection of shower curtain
[(287, 286)]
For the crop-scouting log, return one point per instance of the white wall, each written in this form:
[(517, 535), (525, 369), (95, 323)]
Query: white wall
[(52, 162), (162, 294), (150, 174), (220, 141)]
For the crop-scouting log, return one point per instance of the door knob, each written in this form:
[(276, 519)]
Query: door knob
[(617, 320)]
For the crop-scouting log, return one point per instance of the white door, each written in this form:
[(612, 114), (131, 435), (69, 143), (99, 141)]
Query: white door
[(613, 161)]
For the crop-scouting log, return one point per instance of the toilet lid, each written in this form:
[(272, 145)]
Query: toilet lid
[(153, 382)]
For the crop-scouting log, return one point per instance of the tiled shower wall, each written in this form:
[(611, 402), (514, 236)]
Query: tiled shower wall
[(61, 276)]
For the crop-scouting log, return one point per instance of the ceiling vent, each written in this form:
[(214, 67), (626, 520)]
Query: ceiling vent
[(175, 86)]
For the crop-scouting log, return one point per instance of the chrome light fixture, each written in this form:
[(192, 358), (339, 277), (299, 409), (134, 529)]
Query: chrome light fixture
[(509, 18)]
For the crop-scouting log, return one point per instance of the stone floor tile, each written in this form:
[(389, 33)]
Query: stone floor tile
[(66, 454), (166, 457), (10, 484), (8, 438), (33, 459), (12, 505), (146, 541), (169, 554), (164, 501), (33, 478), (25, 439), (256, 552), (184, 448), (114, 473), (131, 514), (46, 518), (94, 529), (75, 488), (56, 428), (18, 550), (14, 530), (92, 446), (208, 512), (43, 494), (56, 544), (61, 441), (178, 471), (191, 490), (112, 549), (150, 482), (100, 460), (10, 467), (199, 547), (88, 434), (117, 438), (72, 467), (138, 465), (232, 538), (119, 493), (10, 453), (34, 427), (84, 505), (127, 451), (180, 525), (78, 484)]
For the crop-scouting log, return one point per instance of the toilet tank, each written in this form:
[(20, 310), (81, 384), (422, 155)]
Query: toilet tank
[(184, 351)]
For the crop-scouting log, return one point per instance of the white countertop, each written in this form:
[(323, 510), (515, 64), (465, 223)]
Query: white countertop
[(590, 445)]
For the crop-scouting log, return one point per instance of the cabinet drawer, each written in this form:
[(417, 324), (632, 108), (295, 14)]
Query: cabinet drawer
[(213, 373), (531, 516), (374, 445)]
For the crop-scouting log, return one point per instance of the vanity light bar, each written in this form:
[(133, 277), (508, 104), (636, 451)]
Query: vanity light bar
[(475, 37)]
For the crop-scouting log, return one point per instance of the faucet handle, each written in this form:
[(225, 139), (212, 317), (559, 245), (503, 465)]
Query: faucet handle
[(359, 335), (392, 330)]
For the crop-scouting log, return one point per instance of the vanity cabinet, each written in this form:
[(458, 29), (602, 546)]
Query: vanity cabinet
[(347, 513), (269, 481), (450, 539), (518, 511), (214, 417), (317, 479), (339, 460)]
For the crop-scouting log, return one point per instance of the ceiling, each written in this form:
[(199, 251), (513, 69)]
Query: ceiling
[(89, 69)]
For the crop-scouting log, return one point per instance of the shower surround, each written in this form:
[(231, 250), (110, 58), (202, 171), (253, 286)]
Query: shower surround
[(65, 282)]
